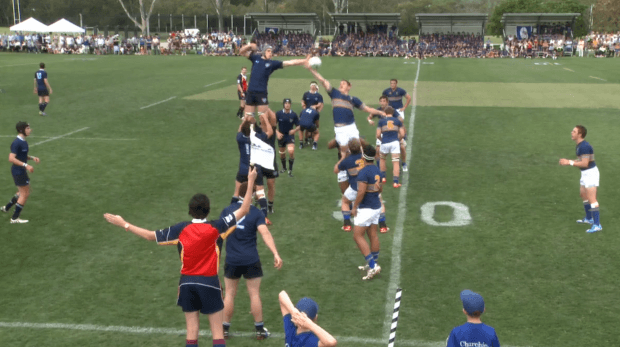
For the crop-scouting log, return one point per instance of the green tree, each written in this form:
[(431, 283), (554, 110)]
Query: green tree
[(606, 15)]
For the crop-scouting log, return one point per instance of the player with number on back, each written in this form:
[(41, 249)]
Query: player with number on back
[(367, 210), (288, 122), (589, 178), (42, 88), (199, 288), (308, 123), (390, 131), (314, 100), (395, 98)]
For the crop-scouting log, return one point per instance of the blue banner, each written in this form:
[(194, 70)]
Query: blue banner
[(271, 30), (524, 33)]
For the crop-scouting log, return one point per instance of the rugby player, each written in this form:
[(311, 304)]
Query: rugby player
[(589, 178), (288, 122), (314, 100), (242, 259), (344, 118), (300, 328), (383, 103), (390, 131), (474, 332), (268, 126), (366, 210), (20, 168), (309, 125), (199, 287), (242, 87), (42, 88), (262, 67), (244, 144), (395, 97), (352, 164)]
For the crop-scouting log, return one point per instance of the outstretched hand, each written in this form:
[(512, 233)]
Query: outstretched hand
[(114, 219)]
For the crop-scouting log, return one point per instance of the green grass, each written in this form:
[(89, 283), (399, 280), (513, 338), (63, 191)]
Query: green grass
[(545, 281)]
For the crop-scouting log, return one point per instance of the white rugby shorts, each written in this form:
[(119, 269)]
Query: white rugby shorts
[(345, 133), (367, 217), (390, 147), (590, 177), (350, 194), (342, 176)]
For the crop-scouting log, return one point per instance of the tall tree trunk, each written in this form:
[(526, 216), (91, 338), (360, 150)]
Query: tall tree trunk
[(144, 16)]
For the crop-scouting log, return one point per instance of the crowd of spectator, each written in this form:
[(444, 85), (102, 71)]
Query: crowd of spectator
[(551, 41), (289, 44), (220, 44)]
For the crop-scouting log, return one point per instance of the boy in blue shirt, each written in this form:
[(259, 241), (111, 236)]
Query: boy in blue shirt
[(300, 328), (474, 332)]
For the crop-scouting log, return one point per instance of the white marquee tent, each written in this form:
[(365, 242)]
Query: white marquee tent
[(31, 25), (64, 26)]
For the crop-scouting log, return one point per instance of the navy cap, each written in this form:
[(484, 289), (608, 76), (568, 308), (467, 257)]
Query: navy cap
[(286, 100), (308, 306), (472, 302)]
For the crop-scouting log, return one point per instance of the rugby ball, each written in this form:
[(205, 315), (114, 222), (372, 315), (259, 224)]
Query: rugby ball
[(315, 62)]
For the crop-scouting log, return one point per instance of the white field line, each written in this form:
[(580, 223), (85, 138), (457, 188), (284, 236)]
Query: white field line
[(58, 137), (400, 224), (157, 103), (598, 78), (181, 332), (208, 85), (74, 138)]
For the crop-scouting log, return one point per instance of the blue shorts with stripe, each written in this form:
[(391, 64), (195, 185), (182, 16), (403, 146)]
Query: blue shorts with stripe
[(200, 293)]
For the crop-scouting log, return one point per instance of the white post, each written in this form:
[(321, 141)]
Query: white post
[(182, 22), (195, 26), (81, 26)]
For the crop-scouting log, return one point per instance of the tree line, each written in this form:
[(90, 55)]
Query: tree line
[(139, 13)]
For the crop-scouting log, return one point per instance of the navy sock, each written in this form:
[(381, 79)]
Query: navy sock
[(18, 210), (260, 326), (283, 160), (218, 343), (191, 343), (382, 174), (595, 215), (586, 206), (41, 107), (382, 217), (370, 260), (11, 203), (375, 255), (346, 215), (263, 205), (290, 164), (44, 106), (315, 144), (396, 179), (270, 204), (234, 200), (378, 162)]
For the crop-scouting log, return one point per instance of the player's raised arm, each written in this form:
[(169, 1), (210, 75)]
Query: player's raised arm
[(247, 199), (372, 111), (248, 49), (320, 78), (325, 339), (295, 62)]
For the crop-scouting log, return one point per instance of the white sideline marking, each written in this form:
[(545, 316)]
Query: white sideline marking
[(58, 137), (181, 332), (400, 224), (598, 78), (157, 103), (208, 85)]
